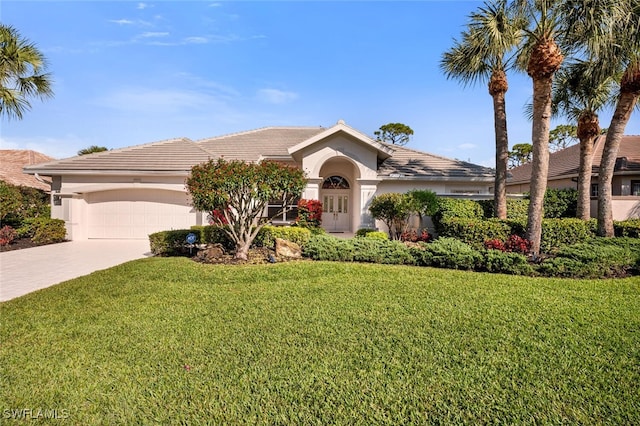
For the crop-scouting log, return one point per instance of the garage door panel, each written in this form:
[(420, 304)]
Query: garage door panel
[(136, 213)]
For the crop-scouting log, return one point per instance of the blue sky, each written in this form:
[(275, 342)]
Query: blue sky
[(130, 72)]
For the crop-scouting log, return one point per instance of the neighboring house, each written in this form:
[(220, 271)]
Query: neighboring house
[(563, 173), (12, 161), (132, 192)]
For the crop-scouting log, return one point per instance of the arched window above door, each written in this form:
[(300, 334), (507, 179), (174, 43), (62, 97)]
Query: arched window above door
[(335, 182)]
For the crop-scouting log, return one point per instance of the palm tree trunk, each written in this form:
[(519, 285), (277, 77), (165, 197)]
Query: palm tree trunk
[(502, 155), (583, 210), (624, 107), (540, 161)]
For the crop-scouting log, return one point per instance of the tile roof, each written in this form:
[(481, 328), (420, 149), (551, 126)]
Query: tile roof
[(409, 162), (173, 155), (13, 160), (259, 143), (566, 162), (179, 155)]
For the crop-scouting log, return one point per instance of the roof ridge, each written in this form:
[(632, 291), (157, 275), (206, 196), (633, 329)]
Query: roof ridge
[(259, 129)]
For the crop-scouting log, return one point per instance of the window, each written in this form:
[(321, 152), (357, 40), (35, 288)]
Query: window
[(594, 189), (276, 212), (335, 182), (635, 187)]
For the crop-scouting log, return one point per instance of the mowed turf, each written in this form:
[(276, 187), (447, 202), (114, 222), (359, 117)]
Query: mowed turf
[(168, 340)]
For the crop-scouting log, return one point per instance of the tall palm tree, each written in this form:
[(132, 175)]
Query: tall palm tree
[(619, 52), (543, 58), (578, 95), (483, 55), (22, 73)]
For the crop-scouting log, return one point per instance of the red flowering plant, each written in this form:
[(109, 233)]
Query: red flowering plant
[(514, 243), (309, 213), (414, 237), (7, 235)]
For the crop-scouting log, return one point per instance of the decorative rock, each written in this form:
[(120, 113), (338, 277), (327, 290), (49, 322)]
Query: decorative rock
[(211, 252), (287, 249)]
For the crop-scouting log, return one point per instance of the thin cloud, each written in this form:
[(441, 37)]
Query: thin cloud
[(151, 34), (277, 97), (467, 146), (122, 21), (142, 6)]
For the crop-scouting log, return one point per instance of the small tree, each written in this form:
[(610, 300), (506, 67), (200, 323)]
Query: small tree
[(520, 154), (394, 133), (393, 209), (422, 202), (239, 192), (10, 199), (92, 149), (563, 136)]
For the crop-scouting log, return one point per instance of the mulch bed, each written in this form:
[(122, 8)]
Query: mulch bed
[(21, 243)]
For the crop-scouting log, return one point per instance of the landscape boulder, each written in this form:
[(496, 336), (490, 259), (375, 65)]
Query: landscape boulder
[(286, 248)]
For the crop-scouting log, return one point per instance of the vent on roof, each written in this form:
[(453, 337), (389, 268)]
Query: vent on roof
[(621, 164)]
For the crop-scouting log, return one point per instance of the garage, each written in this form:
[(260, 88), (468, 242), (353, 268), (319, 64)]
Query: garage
[(136, 213)]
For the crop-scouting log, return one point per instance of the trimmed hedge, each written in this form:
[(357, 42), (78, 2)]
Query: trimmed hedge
[(296, 234), (449, 208), (558, 233), (475, 231), (327, 247), (376, 250), (171, 243), (43, 230), (377, 235), (213, 234), (497, 261), (516, 209), (627, 228)]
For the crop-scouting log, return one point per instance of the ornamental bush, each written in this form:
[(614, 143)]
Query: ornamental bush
[(450, 208), (557, 233), (377, 235), (268, 234), (171, 243), (595, 258), (516, 209), (507, 263), (327, 247), (309, 213), (560, 203), (7, 235), (447, 253), (377, 250), (362, 232), (43, 230), (474, 231), (627, 228)]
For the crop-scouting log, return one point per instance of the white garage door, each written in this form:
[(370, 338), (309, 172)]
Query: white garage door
[(136, 213)]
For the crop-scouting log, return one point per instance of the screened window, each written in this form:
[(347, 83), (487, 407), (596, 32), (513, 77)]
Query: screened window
[(594, 189)]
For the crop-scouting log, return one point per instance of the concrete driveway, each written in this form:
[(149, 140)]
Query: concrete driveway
[(27, 270)]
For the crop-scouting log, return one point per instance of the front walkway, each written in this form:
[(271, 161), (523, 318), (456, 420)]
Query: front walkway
[(28, 270)]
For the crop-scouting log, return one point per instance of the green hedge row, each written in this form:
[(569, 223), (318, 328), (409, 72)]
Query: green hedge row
[(556, 233), (594, 258), (267, 235), (627, 228)]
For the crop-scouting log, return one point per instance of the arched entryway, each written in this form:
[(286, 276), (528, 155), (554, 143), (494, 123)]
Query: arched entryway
[(336, 197)]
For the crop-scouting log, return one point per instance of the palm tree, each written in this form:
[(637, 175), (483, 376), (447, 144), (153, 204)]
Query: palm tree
[(483, 56), (619, 52), (543, 58), (578, 95), (22, 73)]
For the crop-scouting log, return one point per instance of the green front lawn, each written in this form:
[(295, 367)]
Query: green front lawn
[(168, 340)]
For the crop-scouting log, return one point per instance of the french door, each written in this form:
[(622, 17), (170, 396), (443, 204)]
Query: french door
[(335, 211)]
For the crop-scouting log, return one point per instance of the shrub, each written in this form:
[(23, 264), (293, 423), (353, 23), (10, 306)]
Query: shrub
[(414, 237), (267, 235), (170, 243), (447, 253), (43, 230), (475, 231), (393, 209), (309, 213), (559, 203), (362, 232), (449, 208), (627, 228), (558, 233), (213, 234), (377, 235), (597, 258), (516, 208), (327, 247), (7, 235), (507, 263), (381, 251)]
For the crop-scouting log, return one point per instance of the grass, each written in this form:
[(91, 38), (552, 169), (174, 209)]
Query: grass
[(168, 340)]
